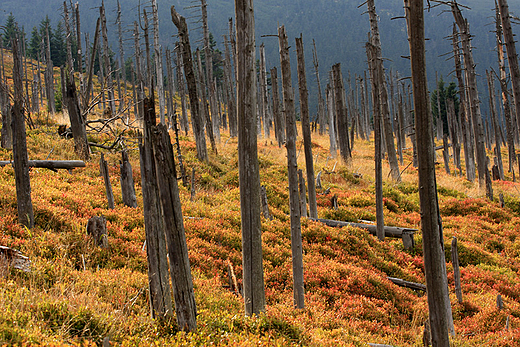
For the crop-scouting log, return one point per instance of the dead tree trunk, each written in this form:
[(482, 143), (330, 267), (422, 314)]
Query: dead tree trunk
[(7, 131), (264, 104), (512, 57), (158, 61), (103, 167), (469, 153), (341, 115), (496, 127), (21, 167), (505, 93), (332, 124), (68, 37), (49, 78), (160, 296), (106, 59), (86, 96), (121, 60), (279, 127), (473, 98), (387, 124), (306, 129), (321, 103), (198, 123), (231, 98), (433, 244), (456, 269), (77, 122), (181, 90), (182, 284), (138, 74), (97, 228), (248, 167), (127, 181), (209, 72), (378, 139), (204, 102), (292, 166)]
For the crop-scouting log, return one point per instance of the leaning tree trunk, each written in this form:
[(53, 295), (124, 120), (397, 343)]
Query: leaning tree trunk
[(20, 158), (292, 166), (248, 167), (512, 57), (306, 129), (433, 243), (198, 122)]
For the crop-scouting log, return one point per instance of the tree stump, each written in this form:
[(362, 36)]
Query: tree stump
[(97, 229)]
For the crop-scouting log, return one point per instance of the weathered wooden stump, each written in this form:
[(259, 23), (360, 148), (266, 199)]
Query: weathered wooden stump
[(97, 229)]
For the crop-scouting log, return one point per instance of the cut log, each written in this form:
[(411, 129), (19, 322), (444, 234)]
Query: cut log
[(408, 284), (396, 232), (51, 164)]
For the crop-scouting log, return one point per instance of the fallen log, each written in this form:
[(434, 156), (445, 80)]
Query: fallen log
[(408, 284), (51, 164), (406, 234)]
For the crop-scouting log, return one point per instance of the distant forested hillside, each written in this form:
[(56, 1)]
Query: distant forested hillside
[(339, 28)]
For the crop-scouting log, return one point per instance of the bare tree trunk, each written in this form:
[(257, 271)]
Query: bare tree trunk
[(306, 129), (182, 283), (378, 138), (68, 37), (181, 90), (321, 103), (512, 57), (387, 125), (279, 127), (492, 108), (79, 53), (138, 74), (122, 60), (469, 153), (103, 168), (7, 131), (20, 158), (127, 181), (433, 243), (473, 99), (86, 96), (332, 124), (204, 102), (292, 166), (263, 93), (341, 115), (106, 56), (456, 268), (505, 93), (230, 91), (249, 176), (158, 281), (77, 122), (158, 61), (198, 123), (209, 72), (49, 78)]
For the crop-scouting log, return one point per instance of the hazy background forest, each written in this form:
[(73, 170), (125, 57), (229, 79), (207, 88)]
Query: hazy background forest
[(338, 27)]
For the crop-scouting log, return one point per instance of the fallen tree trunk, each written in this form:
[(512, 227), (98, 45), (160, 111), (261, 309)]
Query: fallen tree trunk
[(14, 258), (408, 284), (406, 234), (51, 164)]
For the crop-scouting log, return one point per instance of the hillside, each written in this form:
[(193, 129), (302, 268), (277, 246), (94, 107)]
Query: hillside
[(79, 293)]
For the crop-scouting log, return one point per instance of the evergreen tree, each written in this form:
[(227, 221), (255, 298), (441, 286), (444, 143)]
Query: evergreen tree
[(33, 49), (444, 93), (58, 46), (10, 30)]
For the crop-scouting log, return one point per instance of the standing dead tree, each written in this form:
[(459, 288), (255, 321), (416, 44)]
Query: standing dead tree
[(180, 272), (387, 123), (512, 57), (77, 121), (292, 166), (158, 61), (306, 129), (21, 167), (473, 99), (248, 167), (158, 280), (433, 243), (106, 58), (198, 122), (341, 115)]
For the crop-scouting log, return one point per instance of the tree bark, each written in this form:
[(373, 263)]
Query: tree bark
[(127, 181), (158, 281), (248, 167), (341, 115), (292, 166), (106, 178), (496, 127), (106, 59), (198, 123), (279, 127), (77, 122), (433, 243), (182, 283), (21, 167), (204, 102), (306, 129)]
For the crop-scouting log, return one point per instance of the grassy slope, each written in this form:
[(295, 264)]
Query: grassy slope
[(77, 292)]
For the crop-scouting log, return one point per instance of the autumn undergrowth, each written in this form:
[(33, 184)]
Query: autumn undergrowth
[(77, 293)]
